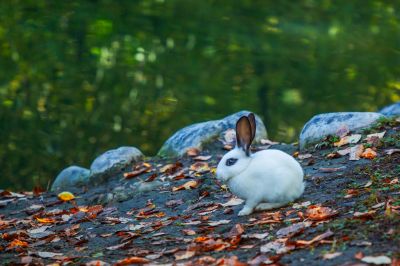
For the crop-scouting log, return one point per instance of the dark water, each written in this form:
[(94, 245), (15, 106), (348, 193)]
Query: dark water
[(80, 77)]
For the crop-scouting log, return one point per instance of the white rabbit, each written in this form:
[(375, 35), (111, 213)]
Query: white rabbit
[(266, 179)]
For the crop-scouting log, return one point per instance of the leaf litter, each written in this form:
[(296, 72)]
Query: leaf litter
[(197, 224)]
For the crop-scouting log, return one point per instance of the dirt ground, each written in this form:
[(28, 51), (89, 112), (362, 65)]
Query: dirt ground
[(349, 214)]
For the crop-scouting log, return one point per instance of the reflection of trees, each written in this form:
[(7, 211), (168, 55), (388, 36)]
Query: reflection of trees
[(78, 78)]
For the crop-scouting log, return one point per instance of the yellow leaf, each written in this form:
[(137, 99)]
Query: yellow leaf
[(66, 196), (45, 220)]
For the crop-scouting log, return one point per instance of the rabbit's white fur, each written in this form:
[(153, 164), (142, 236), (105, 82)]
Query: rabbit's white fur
[(265, 180)]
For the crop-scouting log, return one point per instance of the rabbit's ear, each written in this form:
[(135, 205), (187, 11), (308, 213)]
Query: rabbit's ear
[(243, 134), (252, 120)]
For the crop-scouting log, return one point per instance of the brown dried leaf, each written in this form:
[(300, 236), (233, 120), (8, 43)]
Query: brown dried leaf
[(188, 232), (200, 167), (318, 238), (233, 202), (188, 185), (292, 229), (391, 151), (192, 152), (202, 158), (355, 152), (319, 213), (183, 255), (329, 256)]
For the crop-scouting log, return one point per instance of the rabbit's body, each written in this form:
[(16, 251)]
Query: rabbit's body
[(266, 179)]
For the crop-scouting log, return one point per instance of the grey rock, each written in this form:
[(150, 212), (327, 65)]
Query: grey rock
[(71, 177), (197, 135), (112, 162), (323, 125), (391, 110)]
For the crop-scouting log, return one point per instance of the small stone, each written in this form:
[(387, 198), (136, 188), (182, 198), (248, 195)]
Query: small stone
[(391, 110), (197, 135), (113, 162), (71, 177), (322, 125)]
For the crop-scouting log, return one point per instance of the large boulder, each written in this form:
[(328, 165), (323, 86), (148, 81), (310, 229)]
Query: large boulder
[(391, 110), (197, 135), (113, 162), (323, 125), (70, 178)]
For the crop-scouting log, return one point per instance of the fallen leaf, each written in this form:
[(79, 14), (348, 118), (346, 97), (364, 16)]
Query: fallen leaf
[(268, 142), (368, 184), (233, 202), (188, 232), (232, 261), (96, 263), (258, 236), (331, 169), (131, 260), (355, 152), (228, 147), (17, 243), (66, 196), (174, 203), (45, 220), (378, 260), (329, 256), (379, 135), (202, 158), (318, 213), (352, 139), (350, 193), (46, 255), (364, 215), (369, 154), (260, 260), (192, 152), (37, 230), (278, 246), (301, 205), (200, 167), (318, 238), (215, 223), (183, 255), (135, 173), (292, 229), (391, 151), (304, 156), (344, 151), (171, 168), (188, 185)]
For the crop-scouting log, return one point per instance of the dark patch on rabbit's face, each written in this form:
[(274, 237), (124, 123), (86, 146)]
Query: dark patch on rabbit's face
[(232, 164), (231, 161)]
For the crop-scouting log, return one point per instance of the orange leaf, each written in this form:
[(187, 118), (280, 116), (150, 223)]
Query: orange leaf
[(18, 243), (188, 185), (369, 154), (318, 213), (132, 260), (45, 220)]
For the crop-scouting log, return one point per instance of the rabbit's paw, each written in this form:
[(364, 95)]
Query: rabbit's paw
[(245, 211)]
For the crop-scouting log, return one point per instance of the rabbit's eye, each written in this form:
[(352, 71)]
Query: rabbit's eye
[(231, 161)]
